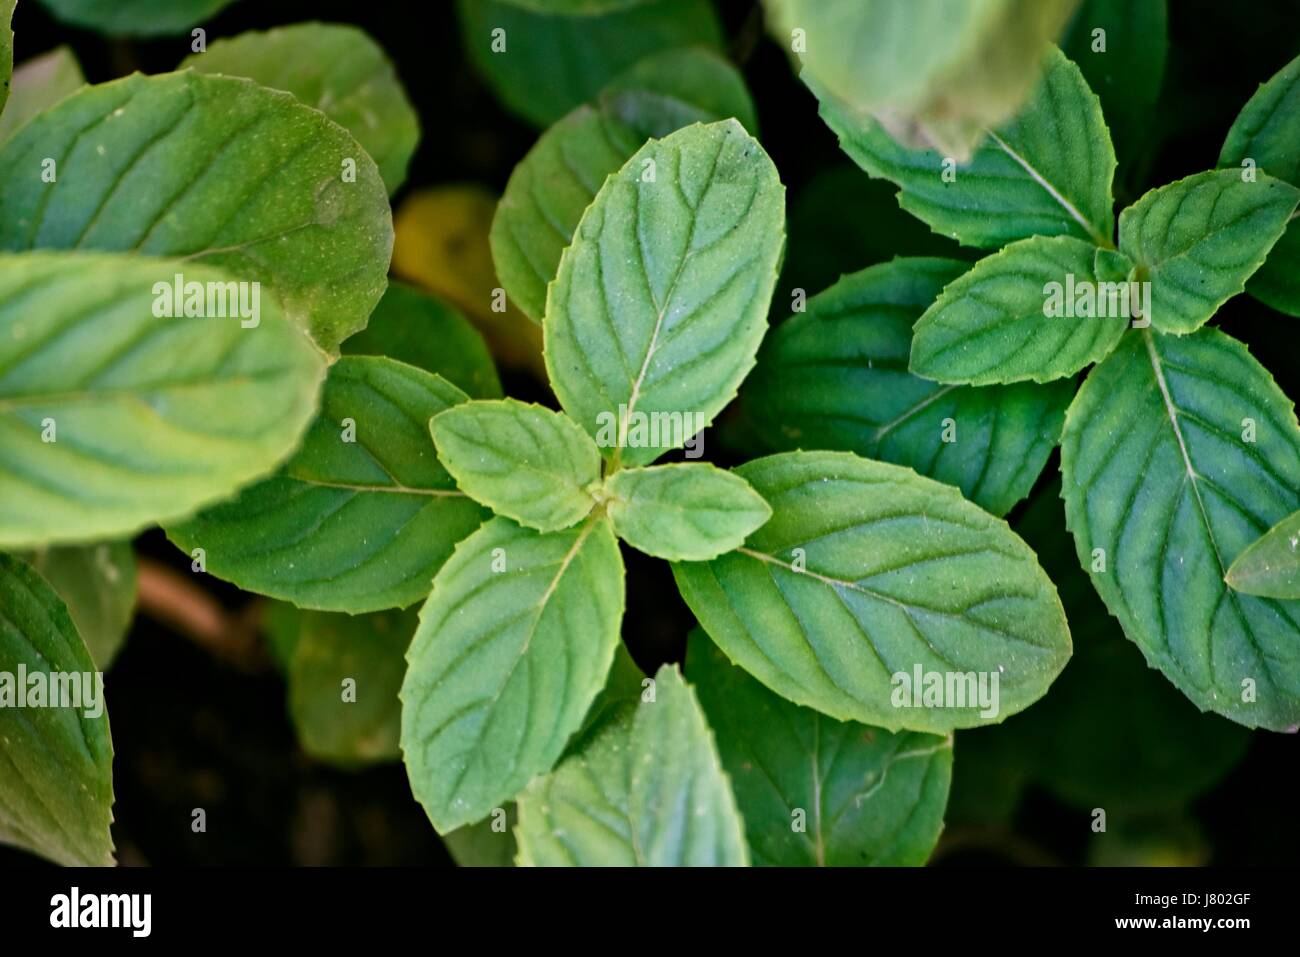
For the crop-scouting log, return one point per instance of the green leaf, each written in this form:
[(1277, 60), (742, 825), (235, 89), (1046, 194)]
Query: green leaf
[(37, 85), (1267, 132), (835, 377), (98, 584), (864, 796), (513, 646), (112, 419), (661, 300), (213, 169), (1048, 171), (56, 795), (649, 791), (344, 677), (489, 843), (1178, 453), (143, 18), (543, 66), (554, 184), (362, 516), (1199, 239), (522, 461), (689, 511), (426, 332), (348, 77), (867, 573), (1270, 567), (1032, 311), (623, 688), (6, 49), (935, 72)]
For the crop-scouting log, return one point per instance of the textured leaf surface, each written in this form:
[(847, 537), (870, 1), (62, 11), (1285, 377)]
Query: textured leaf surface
[(1267, 131), (56, 793), (554, 184), (112, 419), (1201, 238), (135, 17), (1157, 475), (1270, 567), (1048, 171), (347, 77), (683, 512), (513, 645), (991, 324), (897, 572), (362, 516), (423, 331), (835, 377), (553, 63), (649, 791), (357, 724), (213, 169), (523, 461), (867, 797), (661, 300), (98, 584), (37, 85)]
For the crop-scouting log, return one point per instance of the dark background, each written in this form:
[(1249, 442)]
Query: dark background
[(191, 730)]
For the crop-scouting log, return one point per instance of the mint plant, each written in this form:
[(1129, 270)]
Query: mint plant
[(858, 505)]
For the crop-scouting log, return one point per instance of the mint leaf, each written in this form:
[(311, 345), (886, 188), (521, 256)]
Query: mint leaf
[(112, 419), (1178, 453), (513, 645), (98, 584), (554, 184), (142, 18), (423, 331), (1267, 134), (348, 77), (1270, 567), (816, 792), (1047, 171), (6, 49), (489, 843), (1032, 311), (621, 801), (683, 512), (836, 378), (1199, 239), (661, 300), (362, 515), (183, 164), (56, 794), (541, 66), (522, 461), (37, 85), (866, 572)]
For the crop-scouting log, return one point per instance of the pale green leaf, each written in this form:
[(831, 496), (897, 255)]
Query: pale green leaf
[(867, 572), (347, 76), (56, 794), (145, 18), (421, 330), (549, 63), (865, 797), (835, 377), (1048, 171), (513, 646), (522, 461), (661, 300), (1033, 311), (37, 85), (488, 843), (1178, 453), (1199, 239), (98, 584), (214, 169), (688, 511), (362, 516), (648, 791), (112, 419), (1270, 567)]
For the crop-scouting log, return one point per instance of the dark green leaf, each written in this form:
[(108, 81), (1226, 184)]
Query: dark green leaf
[(145, 18)]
